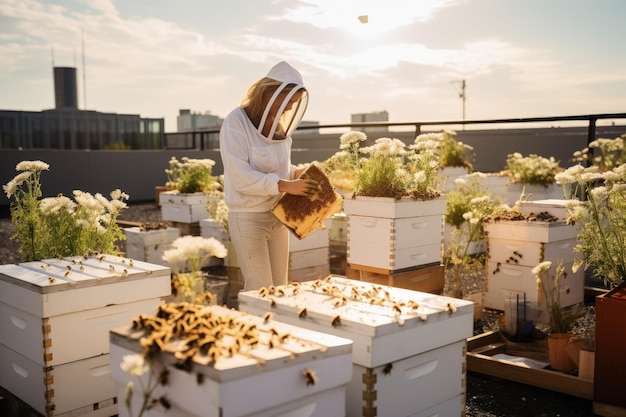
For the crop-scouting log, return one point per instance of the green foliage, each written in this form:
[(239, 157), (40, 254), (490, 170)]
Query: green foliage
[(58, 226), (533, 169), (191, 175), (454, 153)]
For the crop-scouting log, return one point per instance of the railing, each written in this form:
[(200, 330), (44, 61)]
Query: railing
[(209, 139)]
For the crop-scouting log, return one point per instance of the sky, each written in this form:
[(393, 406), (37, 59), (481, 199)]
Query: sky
[(530, 58)]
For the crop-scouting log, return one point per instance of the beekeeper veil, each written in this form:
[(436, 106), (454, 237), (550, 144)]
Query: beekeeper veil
[(285, 108)]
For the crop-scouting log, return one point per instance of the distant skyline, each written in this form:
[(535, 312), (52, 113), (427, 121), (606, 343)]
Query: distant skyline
[(154, 57)]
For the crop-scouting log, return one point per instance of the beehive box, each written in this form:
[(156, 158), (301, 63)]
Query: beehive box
[(183, 207), (149, 245), (394, 243), (516, 247), (309, 273), (389, 234), (269, 378), (409, 346), (54, 321), (318, 239), (554, 206)]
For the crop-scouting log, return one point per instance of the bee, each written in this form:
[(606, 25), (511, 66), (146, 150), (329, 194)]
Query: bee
[(165, 402), (111, 268), (101, 257), (280, 292), (124, 273), (67, 273), (397, 309), (199, 378), (302, 313), (272, 303), (400, 322), (387, 369), (164, 377), (45, 266), (131, 263), (518, 254), (336, 321), (263, 292), (51, 280), (413, 305), (311, 378), (82, 268), (451, 308), (267, 317), (148, 272), (69, 267)]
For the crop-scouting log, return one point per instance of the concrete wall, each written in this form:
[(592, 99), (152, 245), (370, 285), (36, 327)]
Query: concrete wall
[(138, 172)]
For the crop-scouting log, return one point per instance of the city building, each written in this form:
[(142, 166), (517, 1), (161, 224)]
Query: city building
[(381, 116), (67, 127), (186, 121)]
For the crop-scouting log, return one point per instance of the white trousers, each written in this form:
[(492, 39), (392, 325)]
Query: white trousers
[(261, 243)]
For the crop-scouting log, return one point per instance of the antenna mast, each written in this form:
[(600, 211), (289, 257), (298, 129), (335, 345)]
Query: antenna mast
[(84, 71), (462, 96)]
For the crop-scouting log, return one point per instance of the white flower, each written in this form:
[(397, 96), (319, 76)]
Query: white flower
[(32, 166), (541, 267), (348, 139), (134, 365)]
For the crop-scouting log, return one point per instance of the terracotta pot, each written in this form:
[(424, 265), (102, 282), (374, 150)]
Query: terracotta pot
[(557, 349)]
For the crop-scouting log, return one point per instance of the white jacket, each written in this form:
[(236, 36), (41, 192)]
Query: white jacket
[(254, 163)]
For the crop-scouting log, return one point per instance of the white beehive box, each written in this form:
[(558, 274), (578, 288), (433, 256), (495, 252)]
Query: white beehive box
[(256, 381), (392, 235), (411, 358), (149, 245), (211, 228), (394, 244), (556, 207), (516, 247), (182, 207), (309, 273), (56, 314), (316, 240), (510, 281)]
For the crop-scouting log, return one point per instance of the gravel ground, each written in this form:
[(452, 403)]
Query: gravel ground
[(486, 396)]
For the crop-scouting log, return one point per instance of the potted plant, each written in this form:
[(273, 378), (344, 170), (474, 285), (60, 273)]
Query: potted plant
[(190, 181), (558, 317), (186, 257), (60, 226)]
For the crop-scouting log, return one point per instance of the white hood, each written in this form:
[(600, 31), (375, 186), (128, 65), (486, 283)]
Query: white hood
[(288, 103)]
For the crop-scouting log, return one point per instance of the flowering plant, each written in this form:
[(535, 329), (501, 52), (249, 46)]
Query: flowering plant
[(532, 169), (468, 206), (387, 168), (216, 205), (58, 226), (560, 318), (191, 175), (186, 257), (136, 366), (454, 153), (600, 220), (606, 154)]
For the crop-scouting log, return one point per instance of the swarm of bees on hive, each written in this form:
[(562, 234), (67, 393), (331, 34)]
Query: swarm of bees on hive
[(338, 297), (193, 332)]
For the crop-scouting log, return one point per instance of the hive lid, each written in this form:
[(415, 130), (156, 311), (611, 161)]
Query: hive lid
[(54, 275), (276, 344)]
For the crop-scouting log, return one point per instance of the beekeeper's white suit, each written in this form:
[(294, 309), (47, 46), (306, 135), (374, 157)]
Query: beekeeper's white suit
[(256, 155)]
